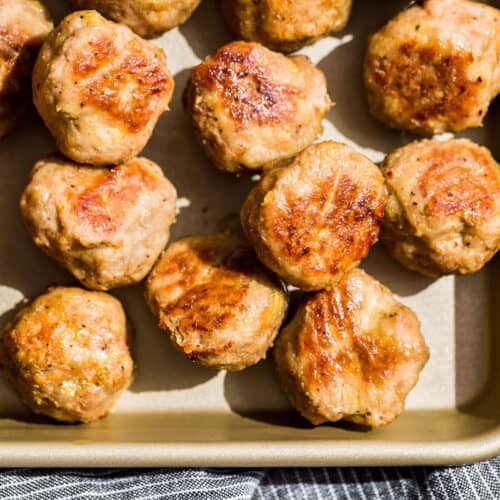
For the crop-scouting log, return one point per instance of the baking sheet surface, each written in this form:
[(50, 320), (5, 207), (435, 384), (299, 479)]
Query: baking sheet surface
[(454, 311)]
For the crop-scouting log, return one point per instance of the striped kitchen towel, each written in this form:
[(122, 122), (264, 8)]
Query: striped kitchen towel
[(479, 481)]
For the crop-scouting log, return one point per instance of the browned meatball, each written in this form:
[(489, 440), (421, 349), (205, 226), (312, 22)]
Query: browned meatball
[(283, 24), (107, 226), (220, 307), (435, 67), (100, 89), (316, 218), (148, 18), (252, 108), (66, 354), (352, 352), (443, 213), (24, 24)]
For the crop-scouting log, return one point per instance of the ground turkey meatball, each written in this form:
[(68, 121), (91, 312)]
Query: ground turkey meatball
[(24, 25), (105, 225), (443, 213), (100, 89), (435, 67), (283, 24), (148, 18), (252, 108), (316, 218), (352, 352), (66, 354), (220, 307)]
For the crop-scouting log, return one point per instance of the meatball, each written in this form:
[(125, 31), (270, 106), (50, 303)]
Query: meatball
[(24, 24), (435, 67), (443, 213), (252, 108), (100, 89), (316, 218), (220, 307), (351, 352), (148, 18), (66, 354), (284, 25), (107, 226)]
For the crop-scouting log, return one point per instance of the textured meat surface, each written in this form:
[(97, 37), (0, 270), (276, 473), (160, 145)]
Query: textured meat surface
[(105, 225), (436, 67), (148, 18), (66, 353), (352, 352), (443, 214), (100, 89), (24, 24), (219, 305), (252, 108), (283, 24), (316, 218)]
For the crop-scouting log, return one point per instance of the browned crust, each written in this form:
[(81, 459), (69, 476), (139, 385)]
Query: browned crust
[(430, 82), (456, 180), (324, 350), (147, 19), (201, 292), (35, 350), (100, 81), (296, 24), (101, 204), (450, 187), (353, 224), (323, 232), (246, 88)]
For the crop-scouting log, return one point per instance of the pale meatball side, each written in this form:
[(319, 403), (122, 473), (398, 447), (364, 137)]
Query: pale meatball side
[(148, 18), (351, 352), (67, 355), (218, 304), (107, 226), (100, 89), (284, 25), (24, 25), (253, 108), (316, 218), (443, 213), (435, 67)]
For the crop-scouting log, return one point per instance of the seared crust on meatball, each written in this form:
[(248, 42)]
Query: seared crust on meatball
[(253, 108), (148, 18), (284, 25), (436, 67), (316, 218), (443, 213), (107, 226), (352, 352), (220, 307), (24, 25), (66, 354), (100, 89)]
